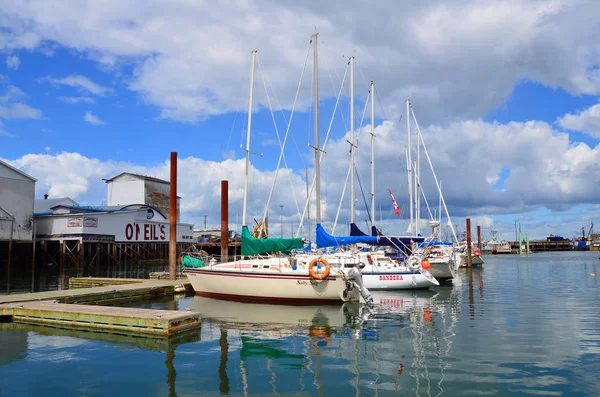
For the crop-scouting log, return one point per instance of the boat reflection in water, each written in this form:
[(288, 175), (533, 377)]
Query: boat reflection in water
[(386, 346)]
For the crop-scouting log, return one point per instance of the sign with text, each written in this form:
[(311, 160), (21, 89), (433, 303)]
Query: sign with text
[(146, 232)]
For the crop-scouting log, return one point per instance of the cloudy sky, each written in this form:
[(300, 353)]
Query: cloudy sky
[(506, 94)]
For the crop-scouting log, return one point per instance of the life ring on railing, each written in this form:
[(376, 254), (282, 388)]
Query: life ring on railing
[(413, 264), (315, 275), (476, 252)]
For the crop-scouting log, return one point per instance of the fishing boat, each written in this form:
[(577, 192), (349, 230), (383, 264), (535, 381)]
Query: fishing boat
[(278, 278)]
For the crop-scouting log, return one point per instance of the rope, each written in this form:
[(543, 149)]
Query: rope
[(323, 149)]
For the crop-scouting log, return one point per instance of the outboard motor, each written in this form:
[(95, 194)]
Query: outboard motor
[(355, 275)]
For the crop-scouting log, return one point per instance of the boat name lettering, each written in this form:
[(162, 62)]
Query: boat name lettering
[(145, 232), (391, 277), (306, 282)]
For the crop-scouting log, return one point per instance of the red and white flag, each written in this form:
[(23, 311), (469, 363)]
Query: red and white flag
[(394, 201)]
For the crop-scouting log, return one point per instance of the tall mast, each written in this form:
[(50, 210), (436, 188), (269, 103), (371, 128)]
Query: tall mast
[(316, 110), (352, 193), (248, 140), (372, 154), (418, 185), (308, 206), (409, 161)]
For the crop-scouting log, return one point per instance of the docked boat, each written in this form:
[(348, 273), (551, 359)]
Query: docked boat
[(278, 278), (442, 259)]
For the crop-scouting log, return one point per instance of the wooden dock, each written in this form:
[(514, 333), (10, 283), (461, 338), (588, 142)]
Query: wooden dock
[(80, 308), (112, 319)]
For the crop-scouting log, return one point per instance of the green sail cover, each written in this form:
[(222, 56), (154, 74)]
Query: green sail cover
[(255, 246), (190, 261)]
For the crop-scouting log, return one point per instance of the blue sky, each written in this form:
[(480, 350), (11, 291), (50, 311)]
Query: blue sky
[(509, 110)]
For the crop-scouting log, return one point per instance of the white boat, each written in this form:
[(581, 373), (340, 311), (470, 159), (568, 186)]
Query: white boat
[(272, 279), (380, 272), (277, 278), (462, 255), (442, 261)]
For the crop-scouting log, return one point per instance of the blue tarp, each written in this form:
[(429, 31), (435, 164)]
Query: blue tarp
[(396, 242), (325, 239)]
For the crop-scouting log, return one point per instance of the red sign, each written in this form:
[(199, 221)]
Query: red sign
[(145, 232)]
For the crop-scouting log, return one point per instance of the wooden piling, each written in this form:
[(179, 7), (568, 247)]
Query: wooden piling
[(224, 221), (173, 218), (479, 238), (469, 259)]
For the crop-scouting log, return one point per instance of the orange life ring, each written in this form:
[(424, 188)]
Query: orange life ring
[(370, 259), (315, 275), (476, 252)]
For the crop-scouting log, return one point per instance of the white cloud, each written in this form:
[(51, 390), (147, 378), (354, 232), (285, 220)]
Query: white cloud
[(82, 83), (92, 119), (13, 108), (19, 111), (13, 62), (587, 121), (76, 99), (563, 180), (459, 57)]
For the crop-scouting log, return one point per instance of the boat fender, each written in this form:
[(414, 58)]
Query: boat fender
[(315, 275), (370, 259)]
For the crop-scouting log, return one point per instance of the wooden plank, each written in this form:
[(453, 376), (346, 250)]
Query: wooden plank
[(121, 319)]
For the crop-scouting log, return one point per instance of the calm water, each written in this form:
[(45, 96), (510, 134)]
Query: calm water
[(519, 326)]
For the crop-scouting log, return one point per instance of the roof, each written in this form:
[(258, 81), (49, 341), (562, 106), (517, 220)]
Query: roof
[(10, 167), (144, 177), (44, 205)]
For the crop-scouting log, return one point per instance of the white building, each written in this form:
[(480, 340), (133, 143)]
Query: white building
[(127, 189), (127, 224), (17, 192)]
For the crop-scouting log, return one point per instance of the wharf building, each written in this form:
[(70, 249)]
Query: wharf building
[(131, 227)]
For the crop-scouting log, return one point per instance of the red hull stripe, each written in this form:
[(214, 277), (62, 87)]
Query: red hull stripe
[(269, 299), (257, 275)]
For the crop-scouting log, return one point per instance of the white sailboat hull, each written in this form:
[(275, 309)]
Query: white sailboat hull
[(285, 286), (398, 280), (443, 269)]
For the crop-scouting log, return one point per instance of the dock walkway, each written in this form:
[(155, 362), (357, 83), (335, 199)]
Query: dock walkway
[(80, 308)]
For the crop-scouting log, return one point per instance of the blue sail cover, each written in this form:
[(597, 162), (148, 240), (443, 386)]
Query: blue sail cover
[(325, 239), (395, 242)]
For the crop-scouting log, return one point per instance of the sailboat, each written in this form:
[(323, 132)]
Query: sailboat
[(279, 278), (378, 270)]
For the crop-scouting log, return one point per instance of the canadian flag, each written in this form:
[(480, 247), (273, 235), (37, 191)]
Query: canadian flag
[(394, 201)]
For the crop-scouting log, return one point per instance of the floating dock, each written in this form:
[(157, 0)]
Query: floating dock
[(80, 308)]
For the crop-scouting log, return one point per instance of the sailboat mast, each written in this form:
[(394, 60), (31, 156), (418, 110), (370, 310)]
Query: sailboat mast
[(316, 111), (308, 207), (409, 161), (352, 192), (244, 207), (418, 185), (372, 154)]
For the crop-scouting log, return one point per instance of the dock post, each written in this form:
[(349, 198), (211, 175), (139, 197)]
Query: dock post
[(224, 221), (479, 238), (33, 260), (469, 259), (173, 218)]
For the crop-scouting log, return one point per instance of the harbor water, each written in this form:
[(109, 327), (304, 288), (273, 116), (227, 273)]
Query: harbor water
[(520, 326)]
